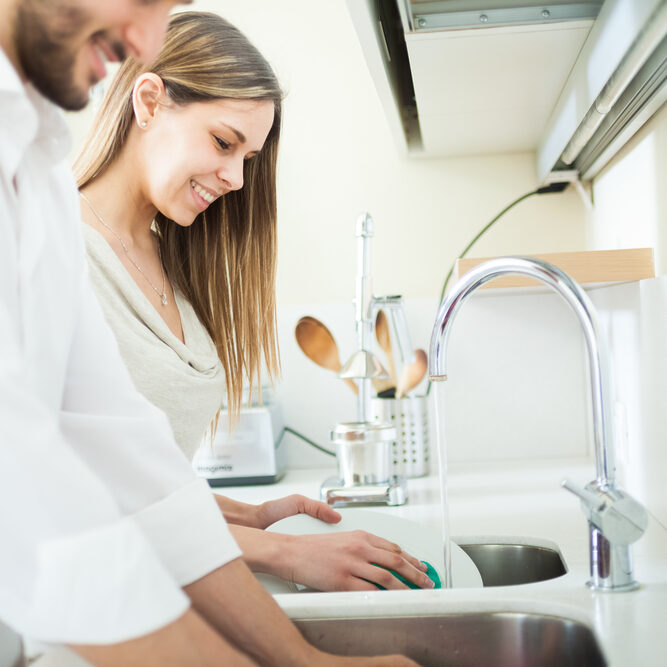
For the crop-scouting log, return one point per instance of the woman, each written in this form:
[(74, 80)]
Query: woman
[(178, 194)]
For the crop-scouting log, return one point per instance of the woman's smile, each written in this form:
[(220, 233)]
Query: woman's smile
[(202, 196)]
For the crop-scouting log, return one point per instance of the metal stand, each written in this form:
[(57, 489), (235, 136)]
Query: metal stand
[(363, 448), (393, 492)]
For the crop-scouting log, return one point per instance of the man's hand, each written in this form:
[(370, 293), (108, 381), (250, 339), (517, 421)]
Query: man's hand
[(189, 640), (382, 661), (235, 604)]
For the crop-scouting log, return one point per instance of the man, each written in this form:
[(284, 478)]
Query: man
[(111, 545)]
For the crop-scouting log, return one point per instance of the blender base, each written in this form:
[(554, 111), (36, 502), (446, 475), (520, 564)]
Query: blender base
[(392, 492)]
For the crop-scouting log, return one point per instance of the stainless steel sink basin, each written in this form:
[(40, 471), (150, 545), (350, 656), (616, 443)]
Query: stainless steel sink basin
[(480, 639), (512, 564), (10, 648)]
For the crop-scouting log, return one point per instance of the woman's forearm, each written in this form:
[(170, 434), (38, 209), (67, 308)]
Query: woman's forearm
[(268, 553), (238, 513)]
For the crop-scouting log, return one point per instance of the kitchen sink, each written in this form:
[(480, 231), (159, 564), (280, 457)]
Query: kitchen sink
[(498, 563), (10, 648), (502, 564), (472, 639)]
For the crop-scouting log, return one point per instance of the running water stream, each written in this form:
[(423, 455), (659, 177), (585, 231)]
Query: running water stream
[(439, 398)]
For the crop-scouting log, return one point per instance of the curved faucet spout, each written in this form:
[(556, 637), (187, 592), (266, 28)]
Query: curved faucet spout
[(615, 519), (578, 300)]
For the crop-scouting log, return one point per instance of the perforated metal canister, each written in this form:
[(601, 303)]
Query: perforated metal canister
[(410, 448)]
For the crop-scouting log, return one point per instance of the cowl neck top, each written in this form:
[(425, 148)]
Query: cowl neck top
[(185, 380)]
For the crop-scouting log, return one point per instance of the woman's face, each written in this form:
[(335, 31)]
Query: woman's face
[(196, 153)]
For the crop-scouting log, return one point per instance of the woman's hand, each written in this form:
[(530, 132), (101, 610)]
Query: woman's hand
[(262, 516), (274, 510), (349, 562), (331, 562)]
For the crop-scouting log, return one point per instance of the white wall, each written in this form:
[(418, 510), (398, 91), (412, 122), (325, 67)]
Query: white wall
[(338, 159), (631, 211), (517, 385), (635, 317), (631, 195)]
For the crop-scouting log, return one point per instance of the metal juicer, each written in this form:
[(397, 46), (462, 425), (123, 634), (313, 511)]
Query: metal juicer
[(363, 448)]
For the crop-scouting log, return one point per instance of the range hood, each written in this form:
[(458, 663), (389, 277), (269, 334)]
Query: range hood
[(461, 77)]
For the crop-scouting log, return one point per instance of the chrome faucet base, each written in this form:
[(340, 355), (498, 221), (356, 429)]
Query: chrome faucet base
[(615, 520), (611, 564), (625, 588), (393, 492)]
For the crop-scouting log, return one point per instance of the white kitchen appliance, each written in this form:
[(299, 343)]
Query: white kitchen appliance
[(251, 454)]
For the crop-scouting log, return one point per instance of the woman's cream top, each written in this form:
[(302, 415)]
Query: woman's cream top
[(186, 381)]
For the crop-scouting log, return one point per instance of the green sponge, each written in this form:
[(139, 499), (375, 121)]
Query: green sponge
[(430, 573)]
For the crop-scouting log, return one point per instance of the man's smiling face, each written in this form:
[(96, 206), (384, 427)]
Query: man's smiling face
[(62, 45)]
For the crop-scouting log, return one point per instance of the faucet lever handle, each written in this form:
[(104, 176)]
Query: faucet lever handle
[(592, 501), (616, 514)]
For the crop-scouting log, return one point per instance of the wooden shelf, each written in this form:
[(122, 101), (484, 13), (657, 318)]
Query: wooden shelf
[(594, 266)]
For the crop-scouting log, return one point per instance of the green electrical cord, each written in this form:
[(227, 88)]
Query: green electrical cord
[(480, 234), (553, 187)]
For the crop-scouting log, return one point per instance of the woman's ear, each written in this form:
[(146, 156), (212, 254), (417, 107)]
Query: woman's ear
[(147, 95)]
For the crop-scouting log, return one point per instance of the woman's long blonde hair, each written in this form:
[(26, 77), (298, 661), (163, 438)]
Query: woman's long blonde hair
[(225, 262)]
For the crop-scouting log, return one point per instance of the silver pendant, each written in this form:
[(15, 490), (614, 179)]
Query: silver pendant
[(164, 299)]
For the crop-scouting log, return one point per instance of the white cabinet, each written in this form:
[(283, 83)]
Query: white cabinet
[(506, 77)]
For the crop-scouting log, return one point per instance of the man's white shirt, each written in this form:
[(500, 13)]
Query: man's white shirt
[(102, 519)]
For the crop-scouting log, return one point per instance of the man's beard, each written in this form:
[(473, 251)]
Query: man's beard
[(47, 33)]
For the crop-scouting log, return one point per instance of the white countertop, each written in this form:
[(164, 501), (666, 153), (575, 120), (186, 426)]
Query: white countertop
[(519, 500)]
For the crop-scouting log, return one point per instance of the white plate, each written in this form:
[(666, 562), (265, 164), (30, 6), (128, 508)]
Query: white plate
[(414, 538)]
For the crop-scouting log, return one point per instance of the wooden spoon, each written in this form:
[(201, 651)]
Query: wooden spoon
[(384, 339), (319, 345), (412, 374)]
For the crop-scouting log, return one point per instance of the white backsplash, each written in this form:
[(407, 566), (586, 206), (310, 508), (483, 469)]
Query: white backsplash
[(517, 387), (635, 315)]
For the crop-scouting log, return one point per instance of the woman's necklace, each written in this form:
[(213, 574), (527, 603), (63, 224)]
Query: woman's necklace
[(163, 293)]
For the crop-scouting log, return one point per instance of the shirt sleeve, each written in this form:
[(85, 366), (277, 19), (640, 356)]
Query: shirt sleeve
[(102, 518), (65, 544), (128, 443)]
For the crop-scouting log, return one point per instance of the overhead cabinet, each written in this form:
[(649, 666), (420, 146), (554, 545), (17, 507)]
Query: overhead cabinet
[(460, 78)]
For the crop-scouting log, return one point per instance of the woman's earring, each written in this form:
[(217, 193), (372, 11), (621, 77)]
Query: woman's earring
[(143, 123)]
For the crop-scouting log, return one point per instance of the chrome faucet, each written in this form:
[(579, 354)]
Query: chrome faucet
[(615, 519)]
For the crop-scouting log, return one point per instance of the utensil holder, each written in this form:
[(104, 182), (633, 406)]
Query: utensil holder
[(410, 449)]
